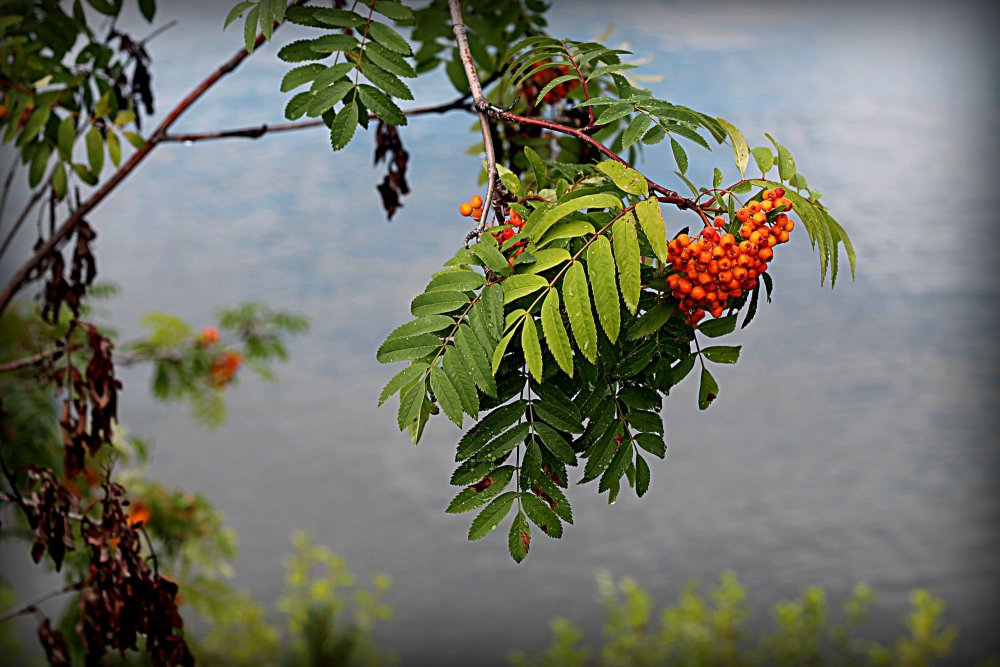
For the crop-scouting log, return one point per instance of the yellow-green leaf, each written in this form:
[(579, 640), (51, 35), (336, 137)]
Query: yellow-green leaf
[(555, 333), (601, 269), (532, 348), (626, 248), (651, 220), (741, 152), (576, 294), (602, 200), (626, 178)]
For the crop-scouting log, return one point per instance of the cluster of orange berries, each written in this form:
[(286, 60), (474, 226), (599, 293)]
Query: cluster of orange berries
[(473, 207), (543, 77), (224, 366), (714, 267), (510, 227)]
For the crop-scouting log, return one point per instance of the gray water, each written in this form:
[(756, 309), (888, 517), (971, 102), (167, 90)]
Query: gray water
[(855, 440)]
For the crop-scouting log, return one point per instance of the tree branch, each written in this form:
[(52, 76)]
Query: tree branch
[(22, 277), (55, 353), (257, 131), (481, 105), (30, 606)]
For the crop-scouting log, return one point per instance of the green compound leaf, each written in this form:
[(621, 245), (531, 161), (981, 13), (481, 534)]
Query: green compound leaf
[(487, 520), (555, 332), (601, 269), (576, 295)]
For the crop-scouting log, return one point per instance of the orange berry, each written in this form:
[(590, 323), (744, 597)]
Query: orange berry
[(742, 215), (717, 312), (787, 203), (779, 192), (476, 201), (766, 206), (773, 240), (477, 213), (754, 207), (718, 251), (698, 293), (783, 236), (510, 260), (684, 240), (684, 286), (465, 209), (704, 257), (704, 278), (759, 218), (719, 221), (789, 225), (766, 195), (713, 267), (209, 335), (765, 254)]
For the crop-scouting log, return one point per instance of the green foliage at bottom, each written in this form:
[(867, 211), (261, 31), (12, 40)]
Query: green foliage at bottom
[(707, 629)]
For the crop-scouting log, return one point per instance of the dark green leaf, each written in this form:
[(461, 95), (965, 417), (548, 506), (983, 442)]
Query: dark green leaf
[(432, 303), (541, 515), (406, 348), (381, 105), (519, 538), (446, 395), (489, 427), (555, 443), (460, 378), (641, 476), (66, 137), (301, 75), (708, 391), (680, 157), (478, 495), (487, 520), (652, 320), (237, 12), (652, 443), (722, 354), (615, 469), (389, 38), (400, 380), (720, 326)]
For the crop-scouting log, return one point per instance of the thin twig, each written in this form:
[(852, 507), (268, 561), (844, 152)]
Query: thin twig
[(24, 362), (30, 606), (23, 275), (25, 212), (481, 105), (257, 131)]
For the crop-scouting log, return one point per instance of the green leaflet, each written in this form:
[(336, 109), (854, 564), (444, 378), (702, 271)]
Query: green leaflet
[(95, 150), (388, 60), (491, 306), (66, 136), (576, 295), (300, 75), (546, 259), (519, 538), (569, 229), (505, 442), (343, 126), (522, 285), (641, 476), (764, 158), (537, 166), (626, 250), (719, 326), (329, 75), (389, 38), (651, 220), (652, 443), (489, 427), (722, 354), (380, 104), (708, 391), (541, 515), (501, 348), (455, 279), (410, 399), (562, 507), (323, 100), (407, 347), (555, 332), (421, 325), (400, 380), (615, 469), (488, 253), (388, 82), (601, 270), (460, 378), (532, 348), (625, 178), (741, 152), (636, 128), (652, 320), (486, 521), (475, 359), (555, 443), (537, 228), (432, 303), (446, 395), (470, 498), (680, 157)]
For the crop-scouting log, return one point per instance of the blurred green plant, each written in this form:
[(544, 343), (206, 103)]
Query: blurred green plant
[(711, 629)]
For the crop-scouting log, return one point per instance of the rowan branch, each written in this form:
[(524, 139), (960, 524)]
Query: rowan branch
[(31, 605), (257, 131), (481, 105), (24, 362), (22, 277)]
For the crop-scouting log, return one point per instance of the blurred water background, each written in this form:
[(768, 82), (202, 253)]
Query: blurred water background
[(856, 439)]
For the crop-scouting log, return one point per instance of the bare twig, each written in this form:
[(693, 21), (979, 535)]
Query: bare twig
[(22, 277), (31, 605), (257, 131), (481, 105), (22, 216), (24, 362)]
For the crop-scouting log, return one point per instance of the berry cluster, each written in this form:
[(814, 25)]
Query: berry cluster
[(714, 267), (541, 79), (473, 207), (506, 231), (224, 368)]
